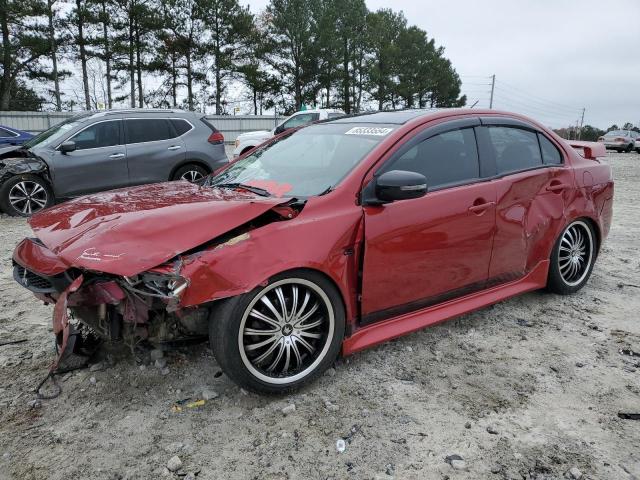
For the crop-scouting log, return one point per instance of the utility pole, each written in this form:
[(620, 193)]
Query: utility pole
[(581, 122), (493, 87)]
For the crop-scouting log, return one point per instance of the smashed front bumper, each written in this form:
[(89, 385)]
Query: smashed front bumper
[(142, 307)]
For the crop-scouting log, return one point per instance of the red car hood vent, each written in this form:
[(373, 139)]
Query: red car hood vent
[(128, 231)]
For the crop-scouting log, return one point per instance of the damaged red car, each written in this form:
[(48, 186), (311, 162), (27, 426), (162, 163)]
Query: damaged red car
[(327, 240)]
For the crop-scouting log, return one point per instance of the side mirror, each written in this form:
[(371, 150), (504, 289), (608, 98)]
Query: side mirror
[(68, 146), (279, 129), (400, 185)]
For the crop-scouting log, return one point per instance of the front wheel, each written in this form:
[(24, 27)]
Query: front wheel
[(629, 148), (280, 336), (24, 195), (191, 173), (572, 258)]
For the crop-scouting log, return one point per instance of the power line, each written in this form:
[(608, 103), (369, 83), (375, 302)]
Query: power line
[(534, 98)]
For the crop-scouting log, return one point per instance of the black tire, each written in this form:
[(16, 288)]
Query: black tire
[(190, 172), (560, 280), (36, 191), (235, 314), (629, 148)]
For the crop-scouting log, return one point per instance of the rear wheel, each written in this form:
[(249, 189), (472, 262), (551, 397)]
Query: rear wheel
[(629, 148), (572, 258), (24, 195), (280, 336), (190, 173)]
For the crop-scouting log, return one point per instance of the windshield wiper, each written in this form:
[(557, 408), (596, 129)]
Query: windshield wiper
[(257, 190)]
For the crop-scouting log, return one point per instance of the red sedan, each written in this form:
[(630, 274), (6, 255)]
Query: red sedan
[(328, 240)]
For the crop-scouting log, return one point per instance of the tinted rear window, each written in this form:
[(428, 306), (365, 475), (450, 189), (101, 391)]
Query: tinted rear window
[(141, 130), (550, 154), (181, 126), (515, 149)]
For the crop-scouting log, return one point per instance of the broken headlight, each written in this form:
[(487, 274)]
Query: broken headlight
[(157, 285)]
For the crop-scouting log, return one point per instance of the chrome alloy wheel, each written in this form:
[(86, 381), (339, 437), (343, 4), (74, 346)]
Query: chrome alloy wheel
[(28, 197), (286, 331), (575, 253), (191, 176)]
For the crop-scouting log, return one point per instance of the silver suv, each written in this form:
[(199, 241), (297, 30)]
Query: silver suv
[(92, 152)]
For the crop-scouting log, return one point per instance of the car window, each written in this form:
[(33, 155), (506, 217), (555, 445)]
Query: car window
[(616, 133), (550, 154), (445, 159), (335, 115), (6, 133), (515, 149), (103, 134), (180, 126), (140, 130), (301, 119), (308, 161)]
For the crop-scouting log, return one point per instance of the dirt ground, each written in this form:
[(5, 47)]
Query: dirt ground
[(529, 388)]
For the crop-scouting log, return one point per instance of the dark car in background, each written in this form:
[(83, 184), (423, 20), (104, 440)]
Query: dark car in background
[(92, 152), (13, 136)]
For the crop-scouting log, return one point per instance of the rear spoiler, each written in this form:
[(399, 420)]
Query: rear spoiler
[(589, 150)]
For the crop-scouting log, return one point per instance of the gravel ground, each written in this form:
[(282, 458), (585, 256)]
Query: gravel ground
[(529, 388)]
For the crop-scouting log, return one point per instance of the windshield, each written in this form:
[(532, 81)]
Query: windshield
[(308, 162), (54, 133), (616, 133)]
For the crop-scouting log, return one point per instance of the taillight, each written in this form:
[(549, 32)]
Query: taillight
[(618, 139), (216, 137)]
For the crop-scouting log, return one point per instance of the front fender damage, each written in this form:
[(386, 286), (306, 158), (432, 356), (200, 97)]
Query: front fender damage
[(149, 306), (22, 162)]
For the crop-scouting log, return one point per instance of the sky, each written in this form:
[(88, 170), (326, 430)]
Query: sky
[(551, 58)]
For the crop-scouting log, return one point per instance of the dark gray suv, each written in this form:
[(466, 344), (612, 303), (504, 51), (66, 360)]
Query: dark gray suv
[(91, 152)]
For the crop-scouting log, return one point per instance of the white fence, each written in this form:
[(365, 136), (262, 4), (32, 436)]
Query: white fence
[(230, 126)]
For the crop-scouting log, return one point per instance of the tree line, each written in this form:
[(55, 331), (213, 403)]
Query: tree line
[(333, 53)]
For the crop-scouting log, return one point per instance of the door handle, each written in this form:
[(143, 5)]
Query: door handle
[(557, 187), (481, 207), (174, 147), (116, 155)]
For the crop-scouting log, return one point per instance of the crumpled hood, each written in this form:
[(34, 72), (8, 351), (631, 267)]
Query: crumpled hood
[(128, 231)]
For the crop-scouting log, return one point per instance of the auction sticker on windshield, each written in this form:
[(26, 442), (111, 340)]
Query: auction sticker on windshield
[(375, 131)]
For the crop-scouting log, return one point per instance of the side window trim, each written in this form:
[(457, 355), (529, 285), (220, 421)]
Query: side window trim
[(120, 134)]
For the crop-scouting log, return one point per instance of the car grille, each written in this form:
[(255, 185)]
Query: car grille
[(32, 280)]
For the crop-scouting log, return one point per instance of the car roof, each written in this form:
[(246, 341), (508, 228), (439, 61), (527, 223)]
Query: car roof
[(393, 117), (139, 111)]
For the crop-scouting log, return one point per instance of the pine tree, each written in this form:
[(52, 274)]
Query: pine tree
[(23, 47)]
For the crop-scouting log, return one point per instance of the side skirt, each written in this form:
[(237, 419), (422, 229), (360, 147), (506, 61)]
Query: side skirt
[(410, 322)]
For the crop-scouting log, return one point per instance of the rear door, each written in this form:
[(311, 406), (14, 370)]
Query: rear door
[(427, 250), (534, 185), (98, 162), (154, 149)]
